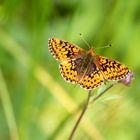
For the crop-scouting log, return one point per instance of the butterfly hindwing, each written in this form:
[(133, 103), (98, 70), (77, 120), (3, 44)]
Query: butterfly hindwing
[(92, 80), (68, 71), (88, 80)]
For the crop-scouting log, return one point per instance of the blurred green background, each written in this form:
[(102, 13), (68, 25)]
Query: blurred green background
[(35, 102)]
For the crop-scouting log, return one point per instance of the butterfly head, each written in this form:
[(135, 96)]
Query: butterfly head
[(91, 52)]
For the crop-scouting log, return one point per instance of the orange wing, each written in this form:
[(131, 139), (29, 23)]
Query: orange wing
[(68, 71), (63, 50), (93, 80), (111, 69)]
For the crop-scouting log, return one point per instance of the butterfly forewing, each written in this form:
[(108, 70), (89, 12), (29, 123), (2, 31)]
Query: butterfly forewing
[(111, 69), (63, 50)]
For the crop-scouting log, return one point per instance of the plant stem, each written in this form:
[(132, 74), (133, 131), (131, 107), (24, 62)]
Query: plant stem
[(98, 96), (80, 117), (85, 108)]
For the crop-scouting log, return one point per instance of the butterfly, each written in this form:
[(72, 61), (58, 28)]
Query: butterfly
[(85, 68)]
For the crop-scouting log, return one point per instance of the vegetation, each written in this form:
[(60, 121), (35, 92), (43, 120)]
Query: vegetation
[(35, 102)]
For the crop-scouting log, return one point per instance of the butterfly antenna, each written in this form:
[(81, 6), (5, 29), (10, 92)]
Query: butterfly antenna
[(85, 41), (103, 47)]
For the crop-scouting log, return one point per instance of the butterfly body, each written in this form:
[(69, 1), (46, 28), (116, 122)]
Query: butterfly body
[(85, 67)]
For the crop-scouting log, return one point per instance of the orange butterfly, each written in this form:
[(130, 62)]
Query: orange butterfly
[(85, 67)]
